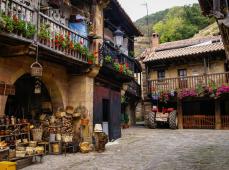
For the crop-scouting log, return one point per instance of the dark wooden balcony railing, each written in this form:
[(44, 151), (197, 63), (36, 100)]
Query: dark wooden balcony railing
[(134, 88), (19, 10), (116, 56), (59, 29), (188, 82)]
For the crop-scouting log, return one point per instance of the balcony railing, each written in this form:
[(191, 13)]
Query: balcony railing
[(188, 82), (19, 19), (23, 22), (111, 56), (56, 31)]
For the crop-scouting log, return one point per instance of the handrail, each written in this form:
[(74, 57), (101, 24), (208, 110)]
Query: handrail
[(65, 27), (188, 81)]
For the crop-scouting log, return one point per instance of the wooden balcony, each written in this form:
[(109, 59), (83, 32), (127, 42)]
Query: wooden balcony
[(115, 60), (57, 29), (28, 27), (169, 84), (14, 12)]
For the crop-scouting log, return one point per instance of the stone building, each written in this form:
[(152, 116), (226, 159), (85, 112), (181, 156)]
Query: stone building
[(66, 38), (188, 76)]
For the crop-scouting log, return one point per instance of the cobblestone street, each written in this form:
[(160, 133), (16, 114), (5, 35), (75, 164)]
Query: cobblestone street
[(147, 149)]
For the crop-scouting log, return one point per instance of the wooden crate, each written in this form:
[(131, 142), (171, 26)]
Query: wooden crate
[(22, 163)]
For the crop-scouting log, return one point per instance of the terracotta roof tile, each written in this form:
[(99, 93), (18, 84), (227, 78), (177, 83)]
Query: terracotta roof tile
[(186, 51)]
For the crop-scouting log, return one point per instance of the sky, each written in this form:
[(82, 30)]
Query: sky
[(136, 10)]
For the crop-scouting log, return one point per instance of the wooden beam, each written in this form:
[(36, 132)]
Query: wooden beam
[(20, 50)]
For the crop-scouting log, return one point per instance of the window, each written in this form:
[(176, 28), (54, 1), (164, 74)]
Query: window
[(161, 75), (183, 83), (182, 73)]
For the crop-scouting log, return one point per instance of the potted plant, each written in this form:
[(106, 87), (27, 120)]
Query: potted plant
[(45, 33), (108, 59), (116, 66), (2, 23), (29, 33), (9, 23), (84, 51), (91, 58)]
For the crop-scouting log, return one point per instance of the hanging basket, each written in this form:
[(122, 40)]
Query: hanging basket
[(36, 69)]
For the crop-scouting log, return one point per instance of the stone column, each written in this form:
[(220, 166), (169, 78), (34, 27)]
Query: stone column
[(180, 114), (3, 100), (217, 115), (81, 89)]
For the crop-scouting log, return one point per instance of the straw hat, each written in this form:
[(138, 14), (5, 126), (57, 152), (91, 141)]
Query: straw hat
[(98, 128)]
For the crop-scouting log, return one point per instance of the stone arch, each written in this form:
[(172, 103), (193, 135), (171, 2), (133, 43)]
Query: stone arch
[(50, 83)]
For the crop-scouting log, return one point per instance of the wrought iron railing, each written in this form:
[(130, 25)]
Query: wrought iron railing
[(110, 55)]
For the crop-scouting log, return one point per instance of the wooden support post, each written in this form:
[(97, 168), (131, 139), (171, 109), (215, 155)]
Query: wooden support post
[(217, 115), (180, 114), (3, 100)]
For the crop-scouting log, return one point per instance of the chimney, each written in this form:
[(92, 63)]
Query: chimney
[(155, 40)]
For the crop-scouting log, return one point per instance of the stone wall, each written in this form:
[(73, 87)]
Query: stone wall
[(54, 77), (192, 69)]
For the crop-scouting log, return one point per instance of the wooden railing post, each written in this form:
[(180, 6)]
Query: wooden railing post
[(180, 114), (217, 115)]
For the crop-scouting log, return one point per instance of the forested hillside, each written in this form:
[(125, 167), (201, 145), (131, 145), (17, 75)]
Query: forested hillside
[(176, 23)]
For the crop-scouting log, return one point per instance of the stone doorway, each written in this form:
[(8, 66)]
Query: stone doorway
[(26, 103)]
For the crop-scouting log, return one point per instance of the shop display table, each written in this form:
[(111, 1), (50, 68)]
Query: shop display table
[(71, 146)]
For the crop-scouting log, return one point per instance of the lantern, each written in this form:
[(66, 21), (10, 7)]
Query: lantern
[(37, 88), (118, 37)]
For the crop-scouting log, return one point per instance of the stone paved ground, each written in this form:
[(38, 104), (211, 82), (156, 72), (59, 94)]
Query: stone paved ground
[(146, 149)]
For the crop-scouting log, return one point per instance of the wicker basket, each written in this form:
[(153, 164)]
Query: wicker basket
[(33, 143), (20, 154), (60, 114), (85, 147), (56, 148), (69, 110), (37, 134), (36, 69), (39, 150), (30, 150)]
